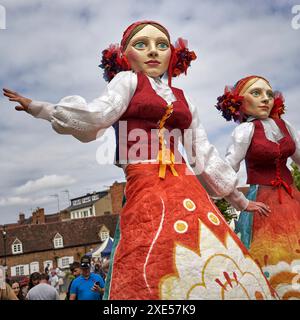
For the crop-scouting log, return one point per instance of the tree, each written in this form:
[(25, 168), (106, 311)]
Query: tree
[(225, 209), (296, 175)]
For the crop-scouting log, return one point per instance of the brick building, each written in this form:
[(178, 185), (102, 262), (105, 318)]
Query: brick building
[(61, 238), (30, 247)]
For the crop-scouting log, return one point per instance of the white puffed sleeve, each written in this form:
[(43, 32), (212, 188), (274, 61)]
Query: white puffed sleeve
[(214, 173), (240, 141), (295, 136), (87, 121)]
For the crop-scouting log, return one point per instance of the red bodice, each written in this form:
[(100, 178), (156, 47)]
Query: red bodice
[(136, 131), (266, 160)]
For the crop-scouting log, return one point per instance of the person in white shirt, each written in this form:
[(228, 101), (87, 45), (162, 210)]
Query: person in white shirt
[(171, 233), (54, 280)]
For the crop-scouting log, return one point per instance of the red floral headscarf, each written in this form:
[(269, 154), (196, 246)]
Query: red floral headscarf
[(114, 61)]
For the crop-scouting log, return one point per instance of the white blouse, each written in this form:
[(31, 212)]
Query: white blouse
[(88, 121), (242, 136)]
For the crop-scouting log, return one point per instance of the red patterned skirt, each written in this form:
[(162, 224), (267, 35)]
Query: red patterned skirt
[(276, 241), (175, 244)]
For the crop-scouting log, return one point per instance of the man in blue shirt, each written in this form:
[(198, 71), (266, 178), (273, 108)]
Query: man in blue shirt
[(88, 286)]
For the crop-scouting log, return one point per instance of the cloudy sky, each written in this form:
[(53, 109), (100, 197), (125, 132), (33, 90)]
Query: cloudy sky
[(51, 49)]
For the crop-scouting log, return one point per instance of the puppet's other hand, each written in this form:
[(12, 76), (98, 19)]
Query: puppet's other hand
[(258, 207), (15, 96)]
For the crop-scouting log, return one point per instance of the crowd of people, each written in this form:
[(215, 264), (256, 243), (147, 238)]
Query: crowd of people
[(85, 281)]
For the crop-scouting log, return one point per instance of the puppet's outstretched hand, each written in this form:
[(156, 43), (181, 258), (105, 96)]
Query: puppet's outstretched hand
[(14, 96), (258, 207)]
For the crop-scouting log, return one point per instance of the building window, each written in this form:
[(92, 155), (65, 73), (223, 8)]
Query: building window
[(76, 202), (65, 262), (34, 267), (95, 197), (74, 215), (58, 241), (17, 247), (48, 264), (87, 199), (85, 213), (104, 235), (20, 271)]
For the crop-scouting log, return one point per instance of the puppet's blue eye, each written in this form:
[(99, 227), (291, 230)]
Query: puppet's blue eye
[(270, 94), (140, 45), (162, 45), (255, 93)]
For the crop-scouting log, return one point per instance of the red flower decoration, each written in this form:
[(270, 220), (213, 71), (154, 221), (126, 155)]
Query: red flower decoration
[(279, 107), (113, 62), (229, 104), (181, 58)]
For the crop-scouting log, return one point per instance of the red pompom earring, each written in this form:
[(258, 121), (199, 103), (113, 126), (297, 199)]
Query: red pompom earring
[(279, 107), (181, 59), (113, 61)]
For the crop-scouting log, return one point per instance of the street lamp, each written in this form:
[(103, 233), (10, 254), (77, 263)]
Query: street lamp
[(4, 235)]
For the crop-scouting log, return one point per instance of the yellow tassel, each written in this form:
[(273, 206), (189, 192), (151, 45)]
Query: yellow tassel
[(165, 156), (162, 171), (173, 170)]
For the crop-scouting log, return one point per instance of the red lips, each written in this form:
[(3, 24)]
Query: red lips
[(152, 62), (264, 107)]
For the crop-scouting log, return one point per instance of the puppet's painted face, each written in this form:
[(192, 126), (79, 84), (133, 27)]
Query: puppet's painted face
[(258, 100), (149, 52)]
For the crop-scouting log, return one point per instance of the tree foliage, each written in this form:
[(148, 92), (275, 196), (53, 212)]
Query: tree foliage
[(296, 175), (225, 209)]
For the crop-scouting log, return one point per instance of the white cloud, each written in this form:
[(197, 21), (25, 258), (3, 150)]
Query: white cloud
[(46, 182), (21, 201)]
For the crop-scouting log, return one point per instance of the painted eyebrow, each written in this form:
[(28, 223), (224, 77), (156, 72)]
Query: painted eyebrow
[(162, 39), (140, 38), (259, 89), (147, 38)]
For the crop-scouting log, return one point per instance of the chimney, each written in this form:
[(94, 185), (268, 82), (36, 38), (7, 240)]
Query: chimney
[(38, 216), (21, 218), (116, 193)]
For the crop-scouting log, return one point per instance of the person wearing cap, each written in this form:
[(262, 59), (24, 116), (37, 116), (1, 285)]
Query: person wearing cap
[(173, 242), (88, 285), (266, 141)]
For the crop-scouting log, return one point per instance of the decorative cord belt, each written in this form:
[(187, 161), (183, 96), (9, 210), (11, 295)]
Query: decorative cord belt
[(278, 182), (165, 156)]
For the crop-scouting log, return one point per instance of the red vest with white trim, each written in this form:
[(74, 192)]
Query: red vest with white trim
[(136, 130), (266, 160)]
